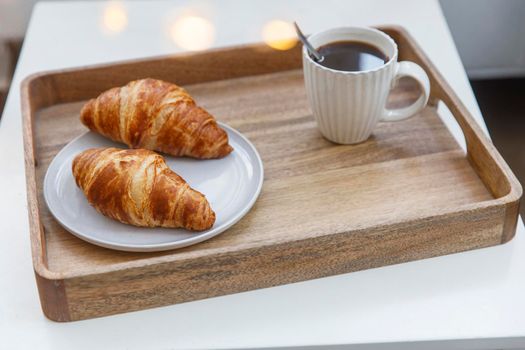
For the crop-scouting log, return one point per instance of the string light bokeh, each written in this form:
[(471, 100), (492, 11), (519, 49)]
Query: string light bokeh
[(192, 32), (114, 17), (279, 34)]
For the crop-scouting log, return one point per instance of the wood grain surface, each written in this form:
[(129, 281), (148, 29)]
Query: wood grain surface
[(407, 193)]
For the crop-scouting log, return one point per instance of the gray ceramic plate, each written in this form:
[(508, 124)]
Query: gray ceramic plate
[(231, 185)]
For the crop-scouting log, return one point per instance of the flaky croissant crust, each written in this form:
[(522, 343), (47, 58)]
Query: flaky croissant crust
[(137, 187), (156, 115)]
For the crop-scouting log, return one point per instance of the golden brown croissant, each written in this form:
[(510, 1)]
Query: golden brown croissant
[(137, 187), (156, 115)]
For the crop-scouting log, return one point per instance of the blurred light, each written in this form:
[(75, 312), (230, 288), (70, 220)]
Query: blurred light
[(114, 17), (192, 33), (279, 35)]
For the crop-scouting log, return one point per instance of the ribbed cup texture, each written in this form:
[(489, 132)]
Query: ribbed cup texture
[(347, 106)]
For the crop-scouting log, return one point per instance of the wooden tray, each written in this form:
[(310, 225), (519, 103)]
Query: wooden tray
[(408, 193)]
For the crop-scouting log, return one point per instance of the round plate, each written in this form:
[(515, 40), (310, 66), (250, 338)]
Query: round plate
[(231, 185)]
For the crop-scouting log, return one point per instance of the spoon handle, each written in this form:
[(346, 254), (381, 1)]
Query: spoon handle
[(306, 43)]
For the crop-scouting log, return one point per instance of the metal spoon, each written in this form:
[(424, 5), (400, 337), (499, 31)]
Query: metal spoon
[(316, 55)]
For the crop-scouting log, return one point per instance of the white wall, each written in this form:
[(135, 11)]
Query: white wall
[(489, 34), (14, 15)]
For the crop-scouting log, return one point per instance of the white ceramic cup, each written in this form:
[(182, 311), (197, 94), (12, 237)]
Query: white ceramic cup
[(347, 105)]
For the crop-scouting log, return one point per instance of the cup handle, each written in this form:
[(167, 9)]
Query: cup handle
[(414, 71)]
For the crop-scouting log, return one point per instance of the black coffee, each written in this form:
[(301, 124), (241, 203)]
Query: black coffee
[(351, 56)]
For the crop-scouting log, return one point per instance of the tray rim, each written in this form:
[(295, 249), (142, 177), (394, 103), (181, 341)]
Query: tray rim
[(474, 136)]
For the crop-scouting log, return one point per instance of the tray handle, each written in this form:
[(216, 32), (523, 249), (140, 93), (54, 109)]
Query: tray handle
[(481, 153)]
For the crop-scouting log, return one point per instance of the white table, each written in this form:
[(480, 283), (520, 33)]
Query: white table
[(471, 300)]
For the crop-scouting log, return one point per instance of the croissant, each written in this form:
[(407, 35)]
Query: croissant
[(137, 187), (156, 115)]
